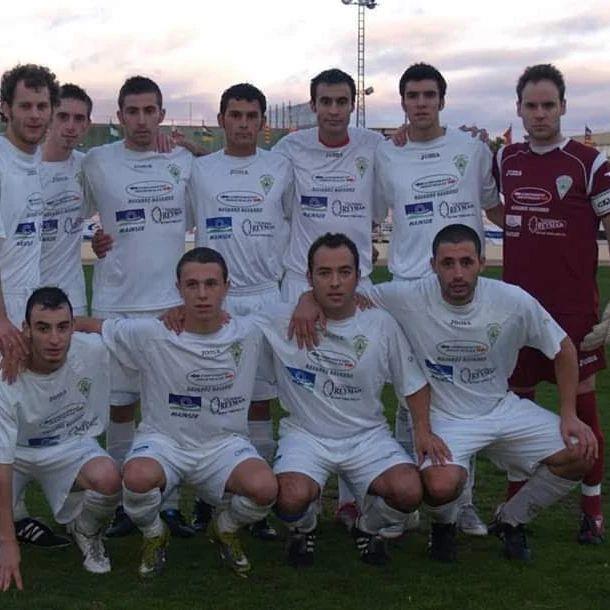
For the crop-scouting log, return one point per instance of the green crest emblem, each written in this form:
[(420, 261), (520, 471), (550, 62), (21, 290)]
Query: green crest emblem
[(266, 182), (493, 332), (361, 165), (360, 343), (236, 350), (460, 162), (563, 184), (174, 171), (84, 386)]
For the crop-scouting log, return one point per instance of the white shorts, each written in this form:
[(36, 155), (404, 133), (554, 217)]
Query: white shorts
[(125, 381), (359, 459), (207, 468), (294, 285), (516, 435), (56, 469), (242, 303)]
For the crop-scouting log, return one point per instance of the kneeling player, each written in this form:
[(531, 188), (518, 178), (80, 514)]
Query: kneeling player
[(336, 422), (49, 419), (196, 389)]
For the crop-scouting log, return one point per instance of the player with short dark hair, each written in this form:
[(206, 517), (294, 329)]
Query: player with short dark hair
[(556, 191), (49, 420)]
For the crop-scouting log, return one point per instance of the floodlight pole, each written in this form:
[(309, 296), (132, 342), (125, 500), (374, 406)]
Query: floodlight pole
[(360, 88)]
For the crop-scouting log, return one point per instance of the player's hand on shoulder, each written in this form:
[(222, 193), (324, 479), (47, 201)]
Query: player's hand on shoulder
[(599, 334), (10, 558), (430, 446), (179, 139), (174, 319), (303, 322), (362, 301), (101, 243), (401, 136), (573, 429), (476, 132), (12, 366), (12, 341)]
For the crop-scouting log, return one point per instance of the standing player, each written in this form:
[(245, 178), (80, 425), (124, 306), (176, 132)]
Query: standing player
[(335, 420), (556, 191), (441, 176), (49, 419), (60, 262), (140, 195), (28, 94), (333, 191), (196, 389), (241, 198)]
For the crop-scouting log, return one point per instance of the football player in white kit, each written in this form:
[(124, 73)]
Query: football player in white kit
[(62, 193), (49, 418), (335, 420), (333, 191), (441, 176), (196, 390), (241, 198), (466, 333), (140, 195), (28, 93)]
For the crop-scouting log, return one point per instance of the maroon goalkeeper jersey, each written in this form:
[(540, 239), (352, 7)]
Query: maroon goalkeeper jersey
[(553, 202)]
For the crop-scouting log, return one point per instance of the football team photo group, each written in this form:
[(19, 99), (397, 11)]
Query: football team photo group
[(165, 383)]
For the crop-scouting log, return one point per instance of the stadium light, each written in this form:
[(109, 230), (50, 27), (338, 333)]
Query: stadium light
[(360, 89)]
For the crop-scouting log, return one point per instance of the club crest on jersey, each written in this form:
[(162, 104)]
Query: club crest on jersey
[(236, 350), (460, 162), (84, 386), (266, 182), (563, 184), (493, 332), (361, 165), (174, 171), (360, 343)]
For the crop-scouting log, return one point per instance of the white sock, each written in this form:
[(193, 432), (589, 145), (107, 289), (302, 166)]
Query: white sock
[(542, 490), (241, 511), (446, 513), (97, 509), (377, 514), (260, 433), (171, 502), (345, 492), (143, 510), (466, 495), (307, 522), (119, 438)]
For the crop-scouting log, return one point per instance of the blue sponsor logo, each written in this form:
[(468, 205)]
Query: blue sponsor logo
[(303, 378), (314, 204), (219, 227), (44, 441), (185, 403), (420, 210), (25, 229), (135, 215), (50, 226), (442, 372)]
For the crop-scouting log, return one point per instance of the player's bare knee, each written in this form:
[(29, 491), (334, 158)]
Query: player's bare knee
[(442, 484), (266, 490), (140, 476), (294, 493), (403, 490)]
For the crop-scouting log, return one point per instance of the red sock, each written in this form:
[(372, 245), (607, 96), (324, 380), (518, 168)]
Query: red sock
[(586, 409)]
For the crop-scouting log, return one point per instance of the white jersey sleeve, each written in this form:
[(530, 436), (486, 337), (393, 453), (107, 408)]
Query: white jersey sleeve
[(541, 330), (8, 427), (489, 190), (124, 337)]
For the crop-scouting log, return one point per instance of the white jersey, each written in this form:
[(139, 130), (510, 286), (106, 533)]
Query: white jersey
[(21, 217), (62, 228), (193, 387), (334, 390), (141, 199), (333, 193), (468, 352), (427, 186), (40, 411), (240, 207)]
